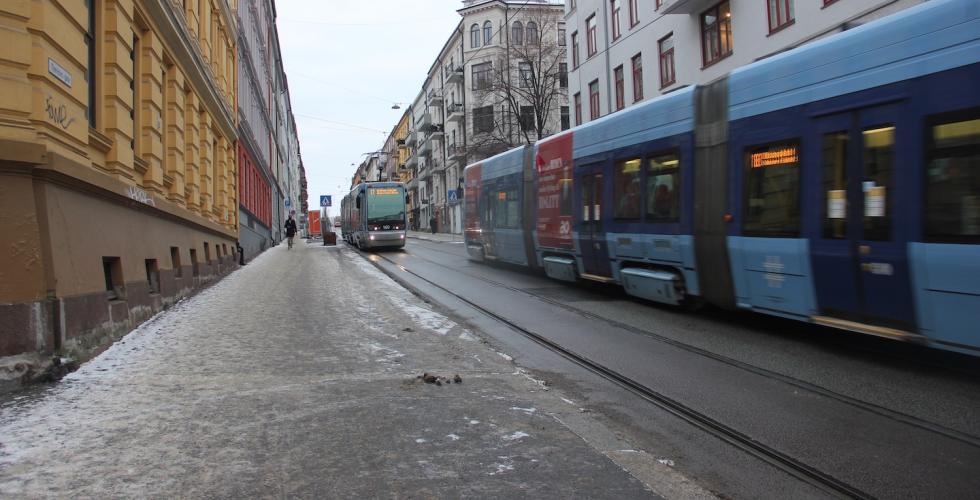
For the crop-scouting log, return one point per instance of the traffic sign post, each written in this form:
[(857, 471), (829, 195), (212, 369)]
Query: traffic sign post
[(325, 200)]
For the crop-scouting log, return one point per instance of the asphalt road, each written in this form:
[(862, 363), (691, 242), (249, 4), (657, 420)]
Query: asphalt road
[(863, 411)]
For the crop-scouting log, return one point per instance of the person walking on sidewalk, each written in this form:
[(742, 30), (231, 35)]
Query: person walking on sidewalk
[(290, 229), (432, 224)]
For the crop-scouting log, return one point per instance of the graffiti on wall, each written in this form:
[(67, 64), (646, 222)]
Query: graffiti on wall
[(58, 114), (140, 195)]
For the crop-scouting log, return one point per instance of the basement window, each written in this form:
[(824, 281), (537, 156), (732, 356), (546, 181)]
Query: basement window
[(153, 275), (194, 269), (112, 270), (175, 262)]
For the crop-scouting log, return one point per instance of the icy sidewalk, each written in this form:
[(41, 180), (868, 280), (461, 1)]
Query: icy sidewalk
[(296, 376)]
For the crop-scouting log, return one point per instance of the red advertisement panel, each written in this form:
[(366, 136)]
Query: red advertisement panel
[(554, 164), (471, 197)]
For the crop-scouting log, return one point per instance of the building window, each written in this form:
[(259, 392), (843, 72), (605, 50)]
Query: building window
[(487, 33), (527, 118), (561, 34), (482, 75), (780, 14), (590, 37), (563, 75), (517, 33), (952, 196), (525, 75), (620, 87), (575, 49), (614, 9), (195, 270), (474, 36), (578, 108), (532, 32), (659, 4), (207, 253), (175, 262), (92, 67), (667, 76), (594, 99), (565, 124), (637, 78), (772, 190), (112, 271), (634, 13), (134, 56), (482, 119), (572, 5), (152, 276), (716, 33)]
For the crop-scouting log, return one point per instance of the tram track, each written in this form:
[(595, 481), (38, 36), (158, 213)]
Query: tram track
[(904, 418), (733, 437)]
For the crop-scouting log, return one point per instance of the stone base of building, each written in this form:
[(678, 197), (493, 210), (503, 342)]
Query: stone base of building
[(85, 258)]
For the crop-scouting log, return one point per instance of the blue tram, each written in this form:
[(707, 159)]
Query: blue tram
[(373, 215), (837, 183)]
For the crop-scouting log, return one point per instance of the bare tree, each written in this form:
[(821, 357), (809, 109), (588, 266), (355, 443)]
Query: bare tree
[(526, 86)]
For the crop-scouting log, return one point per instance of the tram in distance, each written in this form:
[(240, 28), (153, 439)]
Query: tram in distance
[(837, 183), (373, 215)]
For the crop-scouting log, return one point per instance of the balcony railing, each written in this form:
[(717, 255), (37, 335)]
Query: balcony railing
[(454, 75), (454, 112), (435, 97), (455, 153)]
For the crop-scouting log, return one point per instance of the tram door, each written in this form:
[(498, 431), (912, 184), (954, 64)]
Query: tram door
[(859, 256), (592, 236)]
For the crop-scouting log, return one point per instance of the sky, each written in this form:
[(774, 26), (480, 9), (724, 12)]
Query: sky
[(347, 63)]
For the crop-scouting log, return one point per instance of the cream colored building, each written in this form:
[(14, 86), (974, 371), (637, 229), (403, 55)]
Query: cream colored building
[(117, 164)]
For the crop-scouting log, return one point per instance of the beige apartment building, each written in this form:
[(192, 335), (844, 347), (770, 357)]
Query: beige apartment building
[(117, 164)]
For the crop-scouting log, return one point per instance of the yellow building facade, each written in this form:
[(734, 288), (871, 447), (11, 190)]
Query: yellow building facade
[(118, 186)]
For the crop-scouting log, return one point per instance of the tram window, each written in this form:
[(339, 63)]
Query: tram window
[(507, 208), (663, 188), (835, 185), (626, 189), (879, 160), (772, 189), (953, 180)]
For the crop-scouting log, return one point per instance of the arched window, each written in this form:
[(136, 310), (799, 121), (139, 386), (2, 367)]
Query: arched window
[(517, 33), (487, 33), (474, 36), (532, 32)]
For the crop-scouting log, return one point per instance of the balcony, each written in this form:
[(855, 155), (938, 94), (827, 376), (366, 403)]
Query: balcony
[(413, 161), (411, 139), (454, 112), (455, 75), (455, 153), (689, 7), (425, 149), (434, 132), (434, 97)]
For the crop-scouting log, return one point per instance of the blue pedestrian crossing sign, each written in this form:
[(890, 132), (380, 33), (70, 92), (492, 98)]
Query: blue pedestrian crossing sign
[(325, 200)]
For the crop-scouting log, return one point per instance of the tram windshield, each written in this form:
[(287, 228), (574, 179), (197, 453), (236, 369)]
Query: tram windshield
[(385, 205)]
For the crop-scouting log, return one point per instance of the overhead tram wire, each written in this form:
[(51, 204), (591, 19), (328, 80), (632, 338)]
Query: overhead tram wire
[(340, 123)]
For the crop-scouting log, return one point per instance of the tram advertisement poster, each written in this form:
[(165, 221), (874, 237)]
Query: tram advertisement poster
[(554, 164)]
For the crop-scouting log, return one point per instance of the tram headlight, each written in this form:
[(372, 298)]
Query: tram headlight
[(371, 237)]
